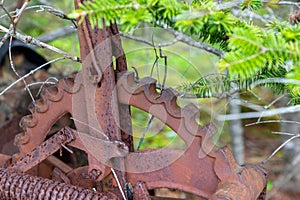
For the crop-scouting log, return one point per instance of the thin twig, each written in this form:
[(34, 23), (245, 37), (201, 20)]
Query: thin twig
[(275, 80), (41, 83), (7, 13), (255, 95), (28, 74), (290, 3), (274, 101), (267, 113), (282, 133), (15, 71), (45, 8), (145, 131), (280, 147), (45, 82), (136, 74), (166, 68), (33, 41), (191, 42), (273, 121), (20, 11), (178, 37), (66, 148), (138, 39)]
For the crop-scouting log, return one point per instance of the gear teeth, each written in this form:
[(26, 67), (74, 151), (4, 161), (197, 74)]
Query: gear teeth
[(135, 87), (21, 139), (145, 90), (53, 93), (68, 85), (28, 121), (40, 106), (190, 113), (32, 124)]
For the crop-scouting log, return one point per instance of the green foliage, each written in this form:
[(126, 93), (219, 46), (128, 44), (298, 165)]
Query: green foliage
[(199, 19), (128, 13), (264, 53), (252, 53), (209, 86), (220, 85), (251, 4)]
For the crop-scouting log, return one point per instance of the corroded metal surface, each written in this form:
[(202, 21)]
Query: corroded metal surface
[(141, 192), (43, 151), (22, 186), (217, 171), (98, 98)]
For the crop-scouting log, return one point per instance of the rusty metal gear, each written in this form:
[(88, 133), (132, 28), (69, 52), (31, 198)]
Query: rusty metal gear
[(97, 96), (201, 169)]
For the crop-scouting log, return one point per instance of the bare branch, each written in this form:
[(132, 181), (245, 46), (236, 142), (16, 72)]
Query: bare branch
[(44, 8), (290, 3), (190, 41), (118, 183), (7, 13), (273, 121), (150, 119), (131, 37), (15, 71), (267, 113), (283, 133), (178, 37), (33, 41), (19, 13)]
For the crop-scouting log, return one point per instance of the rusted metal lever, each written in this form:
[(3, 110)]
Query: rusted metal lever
[(43, 151), (102, 150)]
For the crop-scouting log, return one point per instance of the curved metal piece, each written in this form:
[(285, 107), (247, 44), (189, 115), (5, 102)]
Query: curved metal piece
[(201, 169), (56, 101)]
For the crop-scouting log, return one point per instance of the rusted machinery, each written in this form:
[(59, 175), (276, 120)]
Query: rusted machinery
[(98, 99)]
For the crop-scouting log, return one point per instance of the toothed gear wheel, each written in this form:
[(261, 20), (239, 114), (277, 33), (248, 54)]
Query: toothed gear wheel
[(201, 176)]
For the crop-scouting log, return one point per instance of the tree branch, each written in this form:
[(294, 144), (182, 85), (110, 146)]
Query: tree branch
[(290, 3), (178, 37), (33, 41), (138, 39), (267, 113)]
